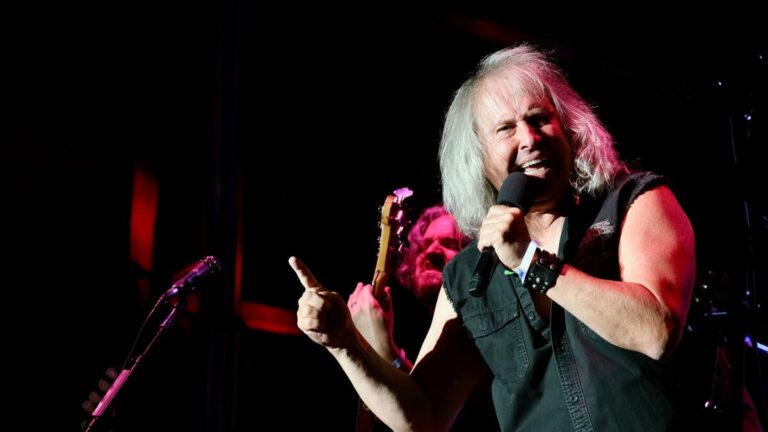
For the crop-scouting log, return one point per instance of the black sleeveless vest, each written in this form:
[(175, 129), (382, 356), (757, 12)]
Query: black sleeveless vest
[(560, 375)]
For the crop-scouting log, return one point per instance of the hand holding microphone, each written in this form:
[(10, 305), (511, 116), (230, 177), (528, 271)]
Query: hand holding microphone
[(518, 190)]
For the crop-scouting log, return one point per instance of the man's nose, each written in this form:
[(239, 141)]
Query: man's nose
[(527, 135), (434, 247)]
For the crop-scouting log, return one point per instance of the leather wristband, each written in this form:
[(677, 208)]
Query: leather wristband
[(543, 272)]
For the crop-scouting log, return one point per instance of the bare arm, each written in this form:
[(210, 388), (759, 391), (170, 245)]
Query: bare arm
[(374, 319), (404, 402), (449, 365), (646, 310)]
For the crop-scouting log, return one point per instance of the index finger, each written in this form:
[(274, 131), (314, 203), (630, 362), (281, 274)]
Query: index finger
[(304, 274)]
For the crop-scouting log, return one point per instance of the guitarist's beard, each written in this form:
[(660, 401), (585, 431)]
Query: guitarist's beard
[(427, 284)]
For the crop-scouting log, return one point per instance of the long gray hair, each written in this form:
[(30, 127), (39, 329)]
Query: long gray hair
[(467, 194)]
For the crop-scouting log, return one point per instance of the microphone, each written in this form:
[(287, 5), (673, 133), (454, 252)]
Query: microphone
[(200, 272), (518, 191)]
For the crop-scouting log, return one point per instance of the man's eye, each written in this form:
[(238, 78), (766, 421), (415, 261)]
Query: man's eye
[(506, 127), (450, 243), (539, 119)]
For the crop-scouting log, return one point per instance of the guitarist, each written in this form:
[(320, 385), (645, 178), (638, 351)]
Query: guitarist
[(433, 240)]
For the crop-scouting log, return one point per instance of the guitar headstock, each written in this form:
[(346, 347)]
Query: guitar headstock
[(392, 223)]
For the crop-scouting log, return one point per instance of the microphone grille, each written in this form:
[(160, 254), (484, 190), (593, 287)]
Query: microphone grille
[(518, 190), (213, 263)]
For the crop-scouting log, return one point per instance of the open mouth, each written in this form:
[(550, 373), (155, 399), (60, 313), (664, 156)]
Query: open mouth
[(431, 261), (534, 165)]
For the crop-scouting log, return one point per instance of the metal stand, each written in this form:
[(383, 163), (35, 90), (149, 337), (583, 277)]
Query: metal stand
[(743, 319), (132, 363)]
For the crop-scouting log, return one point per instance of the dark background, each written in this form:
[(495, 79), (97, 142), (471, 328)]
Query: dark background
[(296, 122)]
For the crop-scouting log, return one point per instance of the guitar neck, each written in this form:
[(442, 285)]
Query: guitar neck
[(391, 223), (380, 279)]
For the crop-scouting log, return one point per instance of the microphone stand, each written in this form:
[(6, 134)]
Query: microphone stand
[(133, 362), (741, 324)]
